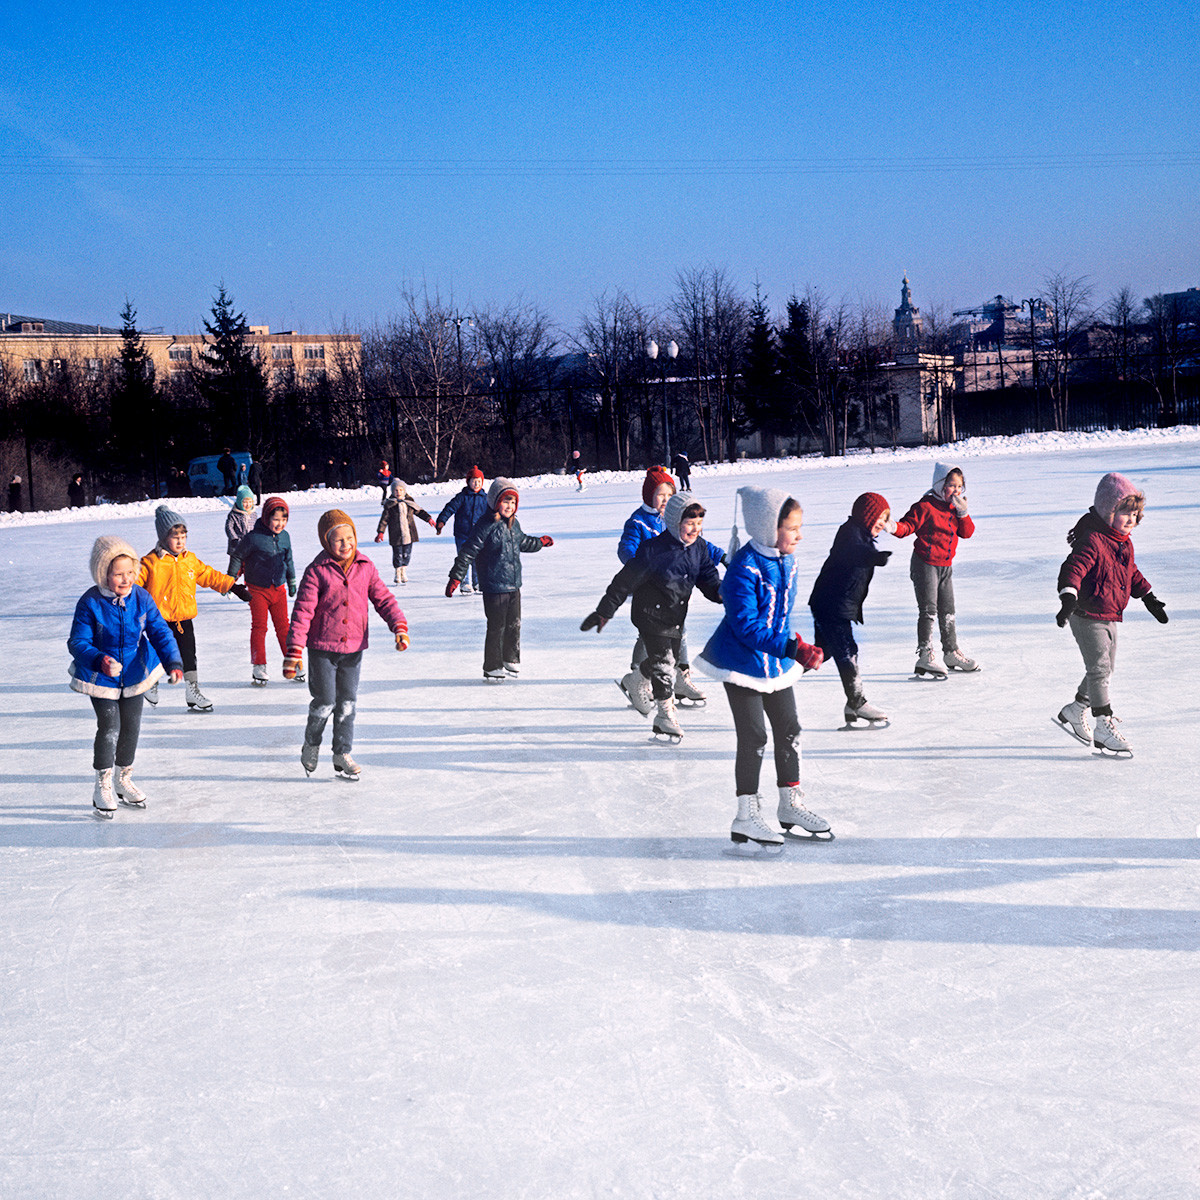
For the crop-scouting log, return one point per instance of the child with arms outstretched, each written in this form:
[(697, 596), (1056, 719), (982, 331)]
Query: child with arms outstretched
[(1095, 584)]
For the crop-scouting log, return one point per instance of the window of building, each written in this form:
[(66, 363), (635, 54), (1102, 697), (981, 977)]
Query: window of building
[(282, 376), (314, 352), (281, 352), (33, 370), (180, 354), (314, 374), (92, 367)]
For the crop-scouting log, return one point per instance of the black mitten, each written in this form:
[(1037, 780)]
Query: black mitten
[(1158, 610), (1069, 605)]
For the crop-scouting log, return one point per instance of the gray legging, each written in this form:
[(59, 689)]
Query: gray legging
[(333, 685), (1098, 645), (118, 723), (751, 712), (935, 602)]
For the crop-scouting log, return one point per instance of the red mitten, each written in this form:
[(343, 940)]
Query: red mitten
[(379, 537), (546, 541), (452, 587)]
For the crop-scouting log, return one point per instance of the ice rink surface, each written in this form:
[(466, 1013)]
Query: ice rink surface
[(515, 960)]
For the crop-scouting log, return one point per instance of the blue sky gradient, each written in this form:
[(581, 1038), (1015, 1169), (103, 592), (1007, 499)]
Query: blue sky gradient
[(319, 159)]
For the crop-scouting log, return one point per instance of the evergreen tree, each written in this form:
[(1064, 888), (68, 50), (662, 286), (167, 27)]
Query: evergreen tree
[(798, 369), (228, 375), (761, 387), (131, 406)]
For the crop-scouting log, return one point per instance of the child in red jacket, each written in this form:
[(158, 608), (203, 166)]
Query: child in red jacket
[(1095, 583), (938, 519)]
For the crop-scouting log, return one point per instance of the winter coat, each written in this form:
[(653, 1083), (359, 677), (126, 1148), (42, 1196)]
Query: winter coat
[(938, 528), (645, 523), (237, 525), (173, 582), (265, 557), (467, 508), (661, 576), (331, 611), (495, 547), (129, 629), (845, 576), (1100, 569), (254, 478), (399, 519), (749, 647)]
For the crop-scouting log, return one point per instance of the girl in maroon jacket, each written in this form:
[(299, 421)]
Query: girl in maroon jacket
[(938, 519), (330, 618), (1095, 583)]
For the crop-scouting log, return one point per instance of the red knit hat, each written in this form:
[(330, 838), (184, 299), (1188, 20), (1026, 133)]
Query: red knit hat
[(474, 473), (274, 502), (869, 507), (655, 478)]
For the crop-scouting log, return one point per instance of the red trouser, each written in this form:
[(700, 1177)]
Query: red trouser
[(264, 600)]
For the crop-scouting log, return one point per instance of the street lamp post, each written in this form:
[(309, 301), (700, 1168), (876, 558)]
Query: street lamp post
[(458, 322), (672, 349)]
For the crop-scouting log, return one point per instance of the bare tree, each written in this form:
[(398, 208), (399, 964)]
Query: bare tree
[(1118, 337), (1172, 341), (713, 320), (412, 362), (515, 345), (1068, 313), (612, 338)]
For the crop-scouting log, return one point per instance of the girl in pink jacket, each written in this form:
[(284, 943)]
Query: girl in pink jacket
[(330, 618)]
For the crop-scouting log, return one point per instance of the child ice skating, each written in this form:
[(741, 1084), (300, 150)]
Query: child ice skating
[(938, 519), (398, 522), (171, 573), (1095, 584), (468, 507), (330, 618), (661, 576), (497, 544), (265, 554), (838, 595), (757, 656), (645, 522), (118, 643), (239, 522)]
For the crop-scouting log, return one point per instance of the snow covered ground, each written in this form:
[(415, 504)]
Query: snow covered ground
[(516, 961)]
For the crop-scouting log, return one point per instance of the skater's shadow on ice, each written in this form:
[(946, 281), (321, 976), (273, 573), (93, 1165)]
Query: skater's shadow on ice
[(870, 910)]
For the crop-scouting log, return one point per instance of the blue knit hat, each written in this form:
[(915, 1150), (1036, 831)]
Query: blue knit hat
[(164, 521), (242, 493)]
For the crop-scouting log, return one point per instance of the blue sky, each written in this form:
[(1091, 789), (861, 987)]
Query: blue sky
[(318, 159)]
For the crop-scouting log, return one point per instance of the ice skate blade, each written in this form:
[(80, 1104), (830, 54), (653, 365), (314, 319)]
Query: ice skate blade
[(684, 702), (853, 723), (1105, 752), (658, 737), (752, 849), (132, 803), (805, 836), (965, 670), (197, 709), (920, 673), (1066, 727), (258, 683), (346, 777), (102, 814)]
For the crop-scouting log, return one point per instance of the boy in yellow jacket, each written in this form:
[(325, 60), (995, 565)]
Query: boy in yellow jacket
[(171, 573)]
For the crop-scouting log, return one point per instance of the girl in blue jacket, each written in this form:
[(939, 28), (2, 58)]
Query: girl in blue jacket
[(119, 643), (757, 656)]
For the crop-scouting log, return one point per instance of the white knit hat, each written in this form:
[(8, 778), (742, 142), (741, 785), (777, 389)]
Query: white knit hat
[(103, 553)]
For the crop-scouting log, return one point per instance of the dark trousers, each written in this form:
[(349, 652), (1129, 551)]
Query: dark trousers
[(118, 723), (751, 711), (662, 655), (185, 635), (836, 639), (333, 686), (502, 643), (473, 573), (401, 553)]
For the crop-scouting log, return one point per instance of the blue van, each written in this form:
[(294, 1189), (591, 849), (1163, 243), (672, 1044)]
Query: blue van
[(205, 478)]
